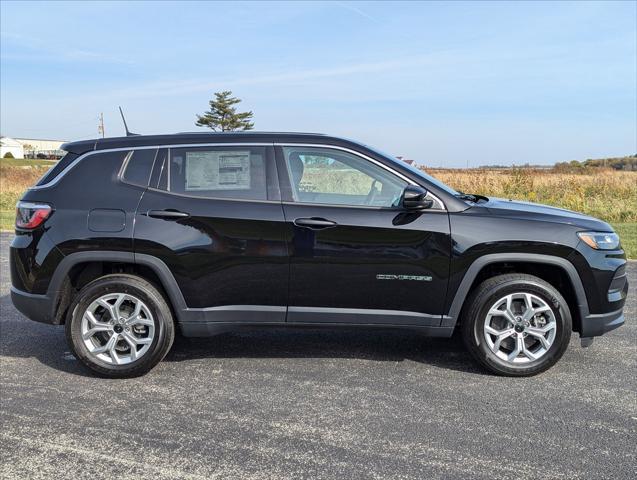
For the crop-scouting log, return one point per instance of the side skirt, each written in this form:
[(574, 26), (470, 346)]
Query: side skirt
[(364, 316), (210, 329), (202, 322)]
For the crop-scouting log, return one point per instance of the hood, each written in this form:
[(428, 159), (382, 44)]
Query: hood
[(536, 211)]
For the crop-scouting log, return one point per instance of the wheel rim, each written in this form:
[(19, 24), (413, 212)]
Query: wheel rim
[(520, 328), (117, 328)]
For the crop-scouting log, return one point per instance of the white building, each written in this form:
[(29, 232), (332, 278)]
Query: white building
[(31, 147), (37, 146), (10, 147)]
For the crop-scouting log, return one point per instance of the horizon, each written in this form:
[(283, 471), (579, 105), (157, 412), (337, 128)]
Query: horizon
[(445, 84)]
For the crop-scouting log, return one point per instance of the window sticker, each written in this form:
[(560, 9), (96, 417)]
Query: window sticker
[(217, 170)]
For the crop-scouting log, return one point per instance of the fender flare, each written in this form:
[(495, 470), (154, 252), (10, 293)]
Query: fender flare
[(474, 269), (162, 271)]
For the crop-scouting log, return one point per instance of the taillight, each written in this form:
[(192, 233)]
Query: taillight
[(31, 215)]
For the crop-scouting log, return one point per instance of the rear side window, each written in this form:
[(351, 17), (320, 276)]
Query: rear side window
[(218, 172), (139, 166)]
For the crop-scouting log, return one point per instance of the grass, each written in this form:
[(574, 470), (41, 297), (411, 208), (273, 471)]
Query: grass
[(25, 162), (628, 235), (610, 195), (15, 177), (606, 194), (7, 219)]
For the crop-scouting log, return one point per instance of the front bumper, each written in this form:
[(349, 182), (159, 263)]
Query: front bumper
[(594, 325), (34, 307)]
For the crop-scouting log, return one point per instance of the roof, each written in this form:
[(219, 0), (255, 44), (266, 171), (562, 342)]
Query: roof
[(9, 142), (249, 132), (203, 137)]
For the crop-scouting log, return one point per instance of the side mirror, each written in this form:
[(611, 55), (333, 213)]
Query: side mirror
[(414, 198)]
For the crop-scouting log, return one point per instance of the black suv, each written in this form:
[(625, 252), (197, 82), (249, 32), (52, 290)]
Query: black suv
[(127, 240)]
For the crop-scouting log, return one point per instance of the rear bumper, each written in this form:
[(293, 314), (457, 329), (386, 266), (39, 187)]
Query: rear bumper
[(594, 325), (34, 307)]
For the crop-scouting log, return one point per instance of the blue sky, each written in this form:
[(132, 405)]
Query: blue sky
[(439, 82)]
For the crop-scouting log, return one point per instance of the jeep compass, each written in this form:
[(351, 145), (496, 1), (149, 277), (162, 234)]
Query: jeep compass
[(127, 241)]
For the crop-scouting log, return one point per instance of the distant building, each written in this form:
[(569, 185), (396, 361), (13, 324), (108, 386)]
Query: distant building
[(31, 147), (407, 161), (41, 148), (10, 147)]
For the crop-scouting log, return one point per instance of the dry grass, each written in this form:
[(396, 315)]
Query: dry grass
[(607, 194), (14, 180)]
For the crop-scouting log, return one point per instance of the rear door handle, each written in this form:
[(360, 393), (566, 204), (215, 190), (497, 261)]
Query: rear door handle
[(167, 214), (314, 223)]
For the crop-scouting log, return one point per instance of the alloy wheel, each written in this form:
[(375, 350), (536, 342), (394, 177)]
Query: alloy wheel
[(520, 328), (117, 328)]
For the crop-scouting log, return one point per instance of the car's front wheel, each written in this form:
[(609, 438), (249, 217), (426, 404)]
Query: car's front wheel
[(516, 325), (120, 326)]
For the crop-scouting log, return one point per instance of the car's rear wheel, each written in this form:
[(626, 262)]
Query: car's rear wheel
[(516, 325), (120, 326)]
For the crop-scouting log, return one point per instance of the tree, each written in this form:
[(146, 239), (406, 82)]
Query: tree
[(223, 115)]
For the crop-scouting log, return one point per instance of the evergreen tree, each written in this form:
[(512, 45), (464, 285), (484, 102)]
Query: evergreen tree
[(223, 116)]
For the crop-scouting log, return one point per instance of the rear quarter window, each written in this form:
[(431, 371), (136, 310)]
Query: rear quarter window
[(56, 169)]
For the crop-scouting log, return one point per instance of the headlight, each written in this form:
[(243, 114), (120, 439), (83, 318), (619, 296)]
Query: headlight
[(600, 240)]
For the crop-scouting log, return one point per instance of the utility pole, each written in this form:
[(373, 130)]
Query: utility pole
[(100, 127)]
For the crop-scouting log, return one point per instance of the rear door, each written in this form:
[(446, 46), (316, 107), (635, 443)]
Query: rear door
[(355, 255), (213, 215)]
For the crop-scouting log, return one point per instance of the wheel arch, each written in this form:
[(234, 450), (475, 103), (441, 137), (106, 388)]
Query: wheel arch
[(550, 268), (82, 267)]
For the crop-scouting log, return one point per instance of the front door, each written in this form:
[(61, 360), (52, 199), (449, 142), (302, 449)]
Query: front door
[(213, 215), (355, 255)]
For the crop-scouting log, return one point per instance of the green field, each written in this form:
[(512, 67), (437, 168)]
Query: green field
[(25, 162)]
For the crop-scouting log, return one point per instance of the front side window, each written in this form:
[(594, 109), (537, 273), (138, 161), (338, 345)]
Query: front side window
[(334, 177), (218, 172)]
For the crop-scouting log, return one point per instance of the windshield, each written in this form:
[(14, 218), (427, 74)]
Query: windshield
[(419, 172)]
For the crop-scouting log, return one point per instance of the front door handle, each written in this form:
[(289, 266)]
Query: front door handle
[(167, 214), (314, 223)]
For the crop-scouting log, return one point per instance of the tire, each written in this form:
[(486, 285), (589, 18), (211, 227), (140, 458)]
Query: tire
[(486, 318), (144, 324)]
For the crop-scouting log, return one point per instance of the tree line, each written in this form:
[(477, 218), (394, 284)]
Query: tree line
[(618, 163)]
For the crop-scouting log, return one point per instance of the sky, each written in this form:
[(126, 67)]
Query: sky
[(448, 84)]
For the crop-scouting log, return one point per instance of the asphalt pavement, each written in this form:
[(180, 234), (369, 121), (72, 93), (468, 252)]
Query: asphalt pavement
[(311, 404)]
